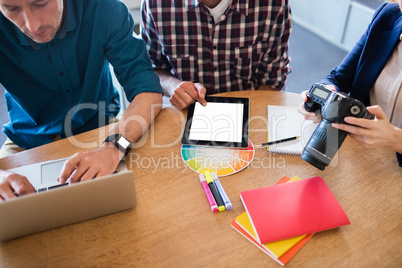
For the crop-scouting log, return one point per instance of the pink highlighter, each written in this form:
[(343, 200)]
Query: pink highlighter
[(210, 197)]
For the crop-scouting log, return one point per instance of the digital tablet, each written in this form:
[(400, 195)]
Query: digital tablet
[(223, 122)]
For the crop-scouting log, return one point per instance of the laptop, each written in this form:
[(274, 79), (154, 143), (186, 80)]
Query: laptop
[(43, 175), (56, 205)]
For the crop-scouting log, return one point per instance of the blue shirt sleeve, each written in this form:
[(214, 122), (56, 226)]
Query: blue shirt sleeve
[(126, 52)]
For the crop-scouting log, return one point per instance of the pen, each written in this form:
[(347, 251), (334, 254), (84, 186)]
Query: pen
[(222, 193), (218, 199), (278, 141), (207, 191)]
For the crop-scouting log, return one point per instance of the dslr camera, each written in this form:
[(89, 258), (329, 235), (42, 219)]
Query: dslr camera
[(326, 140)]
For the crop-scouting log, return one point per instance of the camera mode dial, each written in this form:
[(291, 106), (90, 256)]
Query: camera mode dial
[(355, 110)]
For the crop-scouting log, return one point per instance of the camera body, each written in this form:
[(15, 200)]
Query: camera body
[(334, 107)]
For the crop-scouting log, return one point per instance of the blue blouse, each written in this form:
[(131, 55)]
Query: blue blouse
[(359, 70)]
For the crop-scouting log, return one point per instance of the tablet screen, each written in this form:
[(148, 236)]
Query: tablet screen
[(217, 122), (223, 122)]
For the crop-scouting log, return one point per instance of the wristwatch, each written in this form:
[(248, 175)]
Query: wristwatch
[(120, 142)]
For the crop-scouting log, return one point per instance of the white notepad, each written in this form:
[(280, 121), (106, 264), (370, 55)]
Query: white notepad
[(285, 122)]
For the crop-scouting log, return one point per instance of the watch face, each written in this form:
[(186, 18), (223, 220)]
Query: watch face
[(123, 142)]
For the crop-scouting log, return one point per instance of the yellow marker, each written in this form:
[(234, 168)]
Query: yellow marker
[(208, 176)]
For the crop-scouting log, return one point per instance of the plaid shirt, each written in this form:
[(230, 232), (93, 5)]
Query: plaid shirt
[(246, 48)]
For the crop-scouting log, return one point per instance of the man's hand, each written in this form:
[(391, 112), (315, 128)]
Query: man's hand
[(187, 93), (373, 133), (11, 183), (104, 160), (181, 93), (88, 165)]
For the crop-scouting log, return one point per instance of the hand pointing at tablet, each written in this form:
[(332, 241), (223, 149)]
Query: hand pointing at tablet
[(182, 94), (187, 93)]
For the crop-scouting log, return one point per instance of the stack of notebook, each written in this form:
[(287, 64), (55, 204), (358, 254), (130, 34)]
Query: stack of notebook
[(280, 219)]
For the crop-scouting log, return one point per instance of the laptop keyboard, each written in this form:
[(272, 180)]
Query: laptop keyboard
[(50, 188), (57, 186), (45, 189)]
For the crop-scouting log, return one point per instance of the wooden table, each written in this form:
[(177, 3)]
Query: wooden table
[(173, 226)]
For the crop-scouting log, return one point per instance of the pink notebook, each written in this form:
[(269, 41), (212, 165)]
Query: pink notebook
[(288, 210)]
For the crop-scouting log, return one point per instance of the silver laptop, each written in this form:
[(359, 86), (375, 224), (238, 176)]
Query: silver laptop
[(64, 204)]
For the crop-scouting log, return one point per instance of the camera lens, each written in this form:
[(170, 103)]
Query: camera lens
[(309, 158), (323, 145)]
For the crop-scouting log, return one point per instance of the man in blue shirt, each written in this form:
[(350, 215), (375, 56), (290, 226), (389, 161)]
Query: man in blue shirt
[(54, 66)]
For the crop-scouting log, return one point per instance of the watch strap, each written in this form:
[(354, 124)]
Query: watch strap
[(114, 139)]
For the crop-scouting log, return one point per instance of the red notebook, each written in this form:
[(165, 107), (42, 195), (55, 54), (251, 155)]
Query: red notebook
[(285, 257), (288, 210)]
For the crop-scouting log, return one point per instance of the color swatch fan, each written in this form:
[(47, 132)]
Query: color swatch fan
[(222, 161)]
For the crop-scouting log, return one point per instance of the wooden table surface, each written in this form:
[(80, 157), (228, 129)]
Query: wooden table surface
[(173, 226)]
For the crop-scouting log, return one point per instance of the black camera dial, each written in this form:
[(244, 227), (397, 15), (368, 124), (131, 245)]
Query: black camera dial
[(311, 106)]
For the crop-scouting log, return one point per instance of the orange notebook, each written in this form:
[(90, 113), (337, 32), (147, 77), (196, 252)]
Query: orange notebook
[(288, 210), (282, 260)]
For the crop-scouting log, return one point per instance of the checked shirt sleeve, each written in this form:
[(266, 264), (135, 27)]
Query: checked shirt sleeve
[(274, 65), (149, 34)]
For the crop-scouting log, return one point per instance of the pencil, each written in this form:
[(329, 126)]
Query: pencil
[(278, 141)]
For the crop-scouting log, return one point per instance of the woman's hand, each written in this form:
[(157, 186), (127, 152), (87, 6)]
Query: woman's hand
[(316, 117), (373, 133)]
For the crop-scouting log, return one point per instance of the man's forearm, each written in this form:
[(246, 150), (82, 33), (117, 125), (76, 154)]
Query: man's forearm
[(168, 82), (139, 115)]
